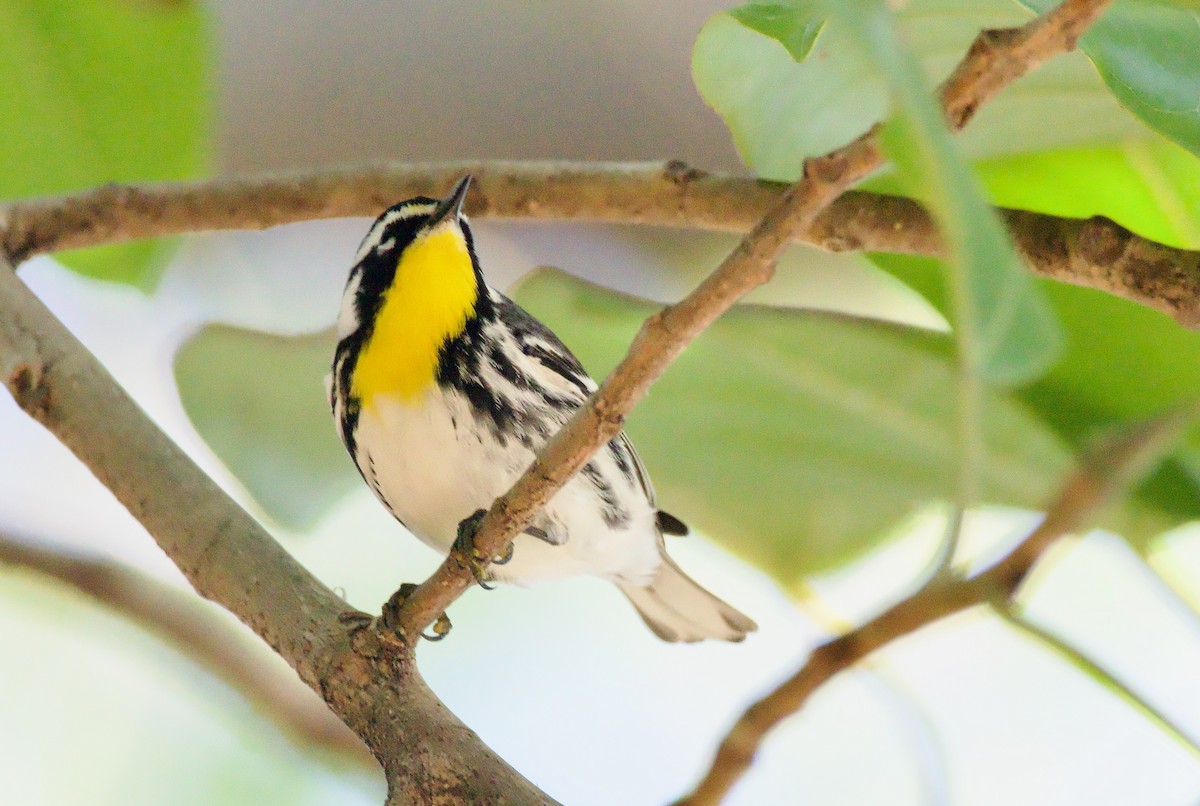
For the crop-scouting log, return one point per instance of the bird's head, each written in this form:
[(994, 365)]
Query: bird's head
[(414, 287)]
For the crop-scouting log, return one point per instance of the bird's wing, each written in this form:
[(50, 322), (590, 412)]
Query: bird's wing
[(535, 340), (540, 343)]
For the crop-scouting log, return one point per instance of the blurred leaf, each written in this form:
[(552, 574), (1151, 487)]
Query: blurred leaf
[(798, 439), (780, 111), (795, 24), (1148, 52), (1152, 187), (1093, 388), (258, 401), (100, 91), (1006, 332)]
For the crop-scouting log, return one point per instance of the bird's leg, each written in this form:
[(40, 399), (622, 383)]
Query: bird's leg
[(389, 618), (464, 546)]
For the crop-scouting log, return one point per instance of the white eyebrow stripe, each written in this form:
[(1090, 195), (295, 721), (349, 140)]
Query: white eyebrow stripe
[(375, 235)]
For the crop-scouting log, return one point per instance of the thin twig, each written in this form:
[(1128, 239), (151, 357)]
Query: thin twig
[(663, 336), (1112, 467), (1096, 252), (196, 630), (1098, 673), (956, 517)]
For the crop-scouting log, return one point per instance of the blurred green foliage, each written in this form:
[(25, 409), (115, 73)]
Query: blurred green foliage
[(100, 91)]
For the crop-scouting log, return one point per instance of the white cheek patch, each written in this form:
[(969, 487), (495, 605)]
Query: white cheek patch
[(374, 236)]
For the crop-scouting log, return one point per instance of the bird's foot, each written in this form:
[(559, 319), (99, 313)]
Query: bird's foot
[(506, 557), (390, 617), (388, 620), (476, 561)]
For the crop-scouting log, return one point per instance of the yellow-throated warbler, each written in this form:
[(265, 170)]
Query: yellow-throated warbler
[(443, 389)]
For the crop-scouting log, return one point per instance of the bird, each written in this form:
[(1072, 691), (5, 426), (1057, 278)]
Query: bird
[(443, 389)]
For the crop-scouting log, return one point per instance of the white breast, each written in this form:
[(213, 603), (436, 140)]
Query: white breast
[(433, 464)]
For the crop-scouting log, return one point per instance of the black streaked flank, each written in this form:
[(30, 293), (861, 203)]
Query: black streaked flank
[(621, 457), (458, 369), (615, 516)]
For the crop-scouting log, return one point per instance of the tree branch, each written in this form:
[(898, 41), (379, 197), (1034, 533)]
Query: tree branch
[(1003, 58), (1096, 253), (1111, 468), (427, 754), (193, 628)]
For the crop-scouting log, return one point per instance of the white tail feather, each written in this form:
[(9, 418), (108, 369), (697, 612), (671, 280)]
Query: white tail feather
[(676, 608)]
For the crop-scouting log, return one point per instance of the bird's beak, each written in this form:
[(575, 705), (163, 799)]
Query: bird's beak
[(451, 205)]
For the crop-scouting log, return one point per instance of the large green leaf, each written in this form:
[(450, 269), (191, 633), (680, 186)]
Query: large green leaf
[(1149, 185), (1006, 333), (103, 91), (1146, 51), (258, 401), (781, 111), (796, 439), (1123, 361)]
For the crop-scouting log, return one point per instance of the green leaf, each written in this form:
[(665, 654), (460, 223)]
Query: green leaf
[(1146, 51), (794, 25), (796, 439), (257, 400), (1092, 389), (780, 111), (103, 91), (1006, 332), (1152, 187)]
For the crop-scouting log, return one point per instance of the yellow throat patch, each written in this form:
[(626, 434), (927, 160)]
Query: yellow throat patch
[(430, 299)]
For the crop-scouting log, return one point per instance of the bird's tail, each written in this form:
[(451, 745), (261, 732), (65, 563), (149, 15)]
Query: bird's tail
[(676, 608)]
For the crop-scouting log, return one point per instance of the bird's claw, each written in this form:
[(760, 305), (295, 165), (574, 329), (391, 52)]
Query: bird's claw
[(441, 628), (391, 614), (506, 557), (464, 546), (389, 619)]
